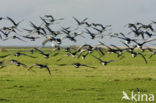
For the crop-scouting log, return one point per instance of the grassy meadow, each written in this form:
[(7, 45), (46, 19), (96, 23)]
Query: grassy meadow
[(68, 84)]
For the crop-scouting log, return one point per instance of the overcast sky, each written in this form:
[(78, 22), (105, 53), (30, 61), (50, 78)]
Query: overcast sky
[(114, 12)]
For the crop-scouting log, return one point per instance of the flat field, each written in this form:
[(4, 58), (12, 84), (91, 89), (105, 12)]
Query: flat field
[(68, 84)]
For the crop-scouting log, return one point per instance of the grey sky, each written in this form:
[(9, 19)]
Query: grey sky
[(114, 12)]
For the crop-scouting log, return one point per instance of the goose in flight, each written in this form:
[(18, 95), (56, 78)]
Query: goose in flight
[(88, 24), (52, 19), (77, 65), (90, 33), (140, 45), (14, 37), (83, 55), (100, 25), (14, 23), (46, 23), (105, 62), (5, 33), (120, 50), (46, 55), (53, 33), (80, 22), (17, 63), (149, 26), (134, 54), (127, 39), (19, 54), (128, 47), (50, 39), (31, 38), (153, 53), (41, 66), (4, 56)]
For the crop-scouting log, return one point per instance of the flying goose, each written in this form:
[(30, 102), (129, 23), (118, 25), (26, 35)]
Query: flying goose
[(134, 54), (41, 66), (14, 23), (13, 61), (46, 55), (14, 37), (105, 62), (80, 22)]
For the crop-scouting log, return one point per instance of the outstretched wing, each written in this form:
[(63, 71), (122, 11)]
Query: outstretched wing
[(11, 21), (97, 58), (48, 70), (39, 50), (143, 57), (32, 66), (45, 41), (3, 56), (20, 39), (87, 66), (115, 60), (23, 65), (78, 22), (28, 55)]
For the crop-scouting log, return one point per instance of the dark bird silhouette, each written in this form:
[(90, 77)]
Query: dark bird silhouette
[(88, 24), (149, 26), (127, 39), (52, 19), (17, 63), (99, 30), (87, 47), (14, 23), (77, 65), (46, 55), (105, 62), (153, 53), (52, 32), (80, 22), (129, 48), (91, 34), (100, 25), (50, 39), (32, 38), (120, 50), (108, 49), (19, 54), (149, 34), (134, 54), (40, 66), (4, 56), (46, 23), (72, 38), (37, 29), (14, 37), (140, 45), (5, 33)]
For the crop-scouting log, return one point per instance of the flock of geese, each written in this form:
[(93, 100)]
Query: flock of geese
[(139, 34)]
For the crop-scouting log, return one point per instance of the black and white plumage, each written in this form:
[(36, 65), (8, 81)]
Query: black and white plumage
[(41, 66), (17, 63), (105, 62)]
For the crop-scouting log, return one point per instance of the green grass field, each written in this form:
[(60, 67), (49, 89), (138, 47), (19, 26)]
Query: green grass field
[(68, 84)]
